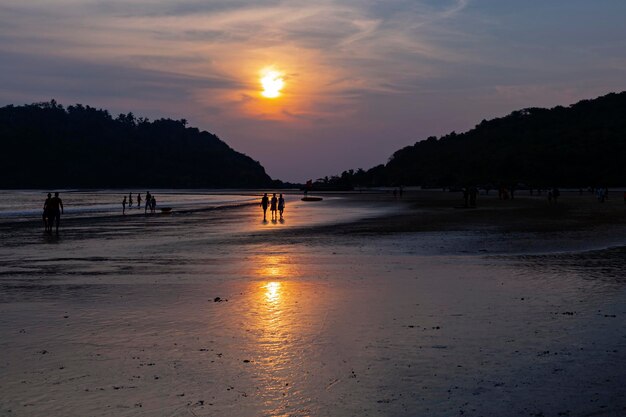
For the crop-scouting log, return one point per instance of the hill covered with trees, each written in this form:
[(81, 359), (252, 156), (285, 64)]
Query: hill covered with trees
[(45, 145), (580, 145)]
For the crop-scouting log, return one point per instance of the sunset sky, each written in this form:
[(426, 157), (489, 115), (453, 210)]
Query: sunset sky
[(361, 78)]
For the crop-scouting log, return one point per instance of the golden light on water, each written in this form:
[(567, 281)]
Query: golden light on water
[(272, 82), (272, 292)]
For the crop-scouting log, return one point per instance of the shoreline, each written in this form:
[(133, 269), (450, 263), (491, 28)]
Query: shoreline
[(527, 224)]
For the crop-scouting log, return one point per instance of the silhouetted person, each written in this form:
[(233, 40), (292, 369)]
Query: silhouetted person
[(401, 191), (55, 207), (46, 214), (138, 200), (152, 204), (130, 200), (281, 205), (273, 204), (264, 203), (556, 194), (124, 205), (148, 202)]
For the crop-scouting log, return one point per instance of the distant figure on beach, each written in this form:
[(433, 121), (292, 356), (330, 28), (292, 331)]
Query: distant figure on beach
[(555, 194), (138, 200), (264, 203), (148, 202), (401, 191), (55, 208), (152, 204), (273, 204), (281, 205), (130, 200), (46, 214), (124, 205)]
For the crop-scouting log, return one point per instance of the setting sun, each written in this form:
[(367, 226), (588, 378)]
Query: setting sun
[(272, 82)]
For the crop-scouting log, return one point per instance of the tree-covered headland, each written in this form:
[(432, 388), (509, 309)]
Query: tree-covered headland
[(46, 145)]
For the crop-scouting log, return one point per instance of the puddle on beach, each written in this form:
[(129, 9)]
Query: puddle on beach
[(187, 318)]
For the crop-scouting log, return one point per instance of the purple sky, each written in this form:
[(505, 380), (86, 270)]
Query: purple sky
[(363, 78)]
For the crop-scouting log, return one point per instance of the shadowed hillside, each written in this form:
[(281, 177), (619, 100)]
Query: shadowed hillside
[(47, 146), (580, 145)]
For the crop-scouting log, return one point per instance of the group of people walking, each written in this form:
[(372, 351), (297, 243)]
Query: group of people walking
[(52, 209), (150, 202), (276, 205)]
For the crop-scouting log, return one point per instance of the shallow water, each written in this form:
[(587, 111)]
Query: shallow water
[(118, 317)]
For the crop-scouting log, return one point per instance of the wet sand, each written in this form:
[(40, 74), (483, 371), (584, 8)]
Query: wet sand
[(389, 308)]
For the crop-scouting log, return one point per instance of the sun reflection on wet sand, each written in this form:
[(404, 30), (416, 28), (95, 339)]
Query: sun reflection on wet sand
[(279, 334), (273, 292)]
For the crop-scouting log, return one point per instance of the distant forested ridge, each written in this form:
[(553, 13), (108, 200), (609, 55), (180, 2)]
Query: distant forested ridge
[(45, 145), (580, 145)]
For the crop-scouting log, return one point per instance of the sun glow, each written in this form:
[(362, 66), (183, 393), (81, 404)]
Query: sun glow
[(272, 82)]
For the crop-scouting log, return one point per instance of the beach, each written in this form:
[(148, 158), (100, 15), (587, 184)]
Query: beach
[(358, 305)]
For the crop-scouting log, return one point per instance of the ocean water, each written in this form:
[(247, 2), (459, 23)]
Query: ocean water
[(210, 311)]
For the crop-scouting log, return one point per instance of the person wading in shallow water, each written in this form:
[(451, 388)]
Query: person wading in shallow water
[(46, 214), (148, 202), (281, 205), (264, 203), (124, 205), (55, 207), (273, 208)]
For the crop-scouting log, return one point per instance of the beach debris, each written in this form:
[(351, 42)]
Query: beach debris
[(219, 299), (43, 352), (610, 315), (246, 361)]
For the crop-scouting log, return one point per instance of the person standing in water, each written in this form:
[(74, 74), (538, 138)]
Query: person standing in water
[(152, 204), (46, 214), (273, 203), (55, 207), (124, 205), (281, 205), (148, 202), (264, 203), (130, 200), (138, 201)]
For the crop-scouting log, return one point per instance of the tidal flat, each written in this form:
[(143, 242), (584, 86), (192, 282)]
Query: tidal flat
[(358, 305)]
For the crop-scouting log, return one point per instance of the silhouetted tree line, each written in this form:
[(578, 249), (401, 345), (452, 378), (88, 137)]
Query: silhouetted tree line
[(580, 145), (45, 145)]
